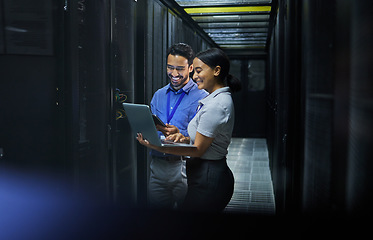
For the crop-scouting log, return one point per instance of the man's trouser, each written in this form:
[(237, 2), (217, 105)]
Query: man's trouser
[(167, 182)]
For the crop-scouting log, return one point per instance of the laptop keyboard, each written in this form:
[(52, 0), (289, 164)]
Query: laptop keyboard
[(164, 141)]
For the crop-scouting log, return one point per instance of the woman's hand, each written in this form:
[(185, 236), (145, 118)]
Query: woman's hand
[(202, 143), (178, 137), (141, 140), (145, 142)]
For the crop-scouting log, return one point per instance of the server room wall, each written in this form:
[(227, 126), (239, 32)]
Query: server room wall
[(278, 93), (124, 72), (28, 96), (31, 122), (59, 103), (318, 116), (335, 74), (359, 167), (318, 77), (306, 174), (87, 96)]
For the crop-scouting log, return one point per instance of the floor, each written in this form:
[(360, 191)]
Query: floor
[(253, 189)]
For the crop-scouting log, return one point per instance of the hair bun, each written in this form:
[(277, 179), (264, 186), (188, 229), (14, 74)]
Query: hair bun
[(233, 83)]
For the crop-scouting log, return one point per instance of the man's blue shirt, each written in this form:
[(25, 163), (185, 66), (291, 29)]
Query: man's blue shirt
[(186, 109)]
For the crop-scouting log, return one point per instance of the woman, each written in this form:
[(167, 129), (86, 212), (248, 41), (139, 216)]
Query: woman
[(210, 181)]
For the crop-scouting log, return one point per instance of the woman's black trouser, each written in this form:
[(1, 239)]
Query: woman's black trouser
[(210, 185)]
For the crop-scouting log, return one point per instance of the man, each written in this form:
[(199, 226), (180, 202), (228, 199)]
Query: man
[(175, 104)]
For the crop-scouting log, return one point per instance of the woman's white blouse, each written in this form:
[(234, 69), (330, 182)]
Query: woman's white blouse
[(214, 119)]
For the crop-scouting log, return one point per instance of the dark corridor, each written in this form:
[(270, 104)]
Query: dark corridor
[(66, 65)]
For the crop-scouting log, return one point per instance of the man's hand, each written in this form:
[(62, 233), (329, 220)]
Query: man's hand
[(168, 130)]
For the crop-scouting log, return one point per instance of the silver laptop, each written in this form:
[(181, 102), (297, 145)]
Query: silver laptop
[(141, 121)]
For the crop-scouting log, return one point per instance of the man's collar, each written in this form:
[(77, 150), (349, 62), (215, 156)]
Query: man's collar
[(187, 87)]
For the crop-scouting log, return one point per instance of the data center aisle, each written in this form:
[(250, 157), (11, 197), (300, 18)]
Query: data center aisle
[(253, 189)]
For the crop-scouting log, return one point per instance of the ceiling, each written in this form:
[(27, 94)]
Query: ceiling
[(240, 27)]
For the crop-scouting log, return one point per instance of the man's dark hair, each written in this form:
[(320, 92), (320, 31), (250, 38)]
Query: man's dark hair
[(181, 49)]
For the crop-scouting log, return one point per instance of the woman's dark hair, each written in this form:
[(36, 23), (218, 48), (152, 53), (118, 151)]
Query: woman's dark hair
[(181, 49), (214, 57)]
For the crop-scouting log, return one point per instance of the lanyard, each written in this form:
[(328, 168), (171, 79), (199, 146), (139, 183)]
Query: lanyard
[(169, 116)]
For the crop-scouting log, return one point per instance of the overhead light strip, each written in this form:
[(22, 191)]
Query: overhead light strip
[(228, 9), (234, 47)]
